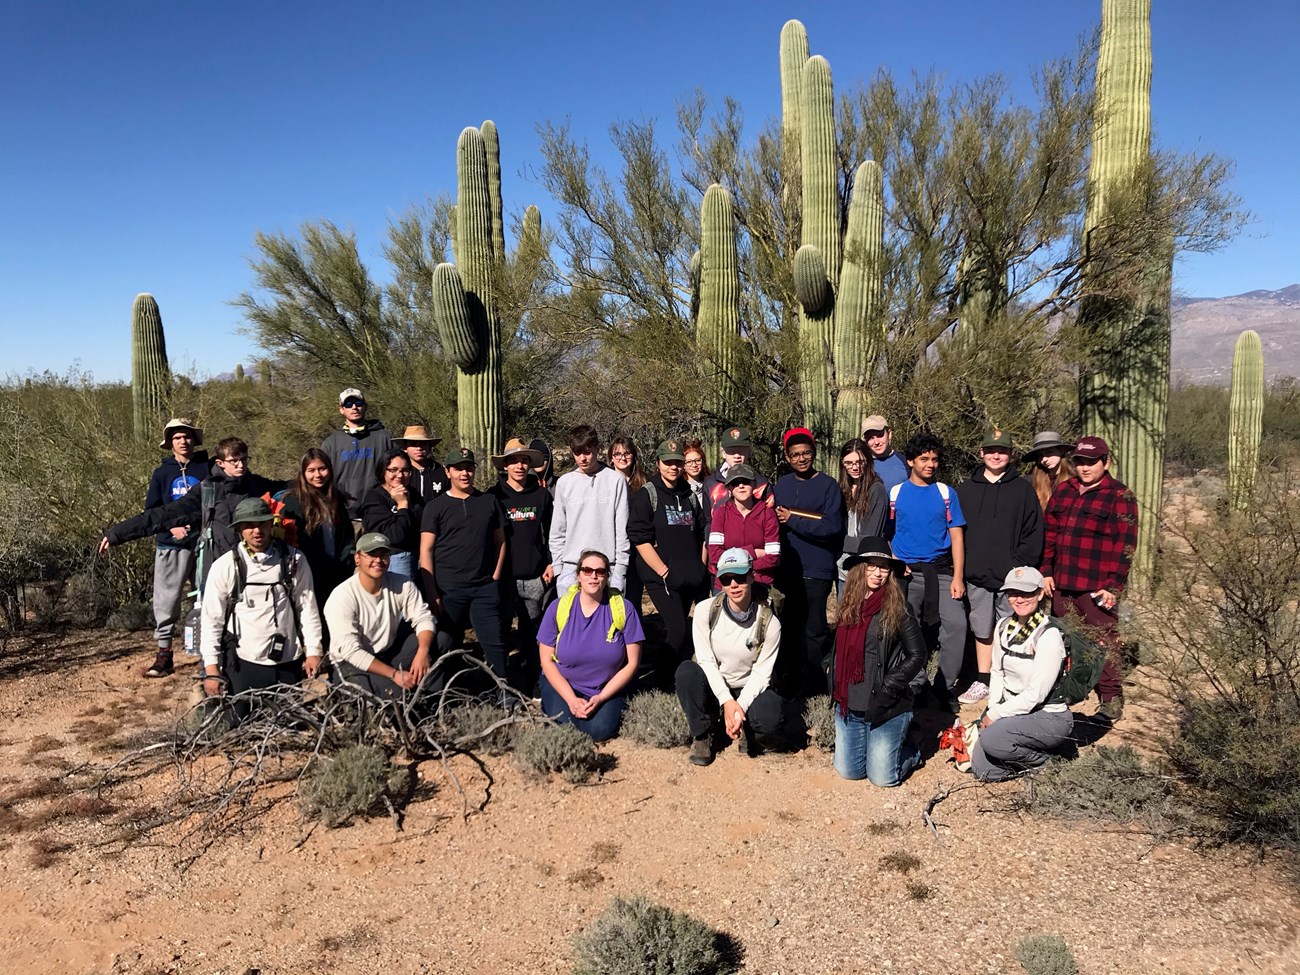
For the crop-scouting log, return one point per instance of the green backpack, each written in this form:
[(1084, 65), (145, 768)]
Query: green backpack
[(1081, 669)]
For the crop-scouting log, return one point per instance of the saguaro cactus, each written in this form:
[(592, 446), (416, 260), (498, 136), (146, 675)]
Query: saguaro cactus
[(717, 326), (150, 376), (1245, 418)]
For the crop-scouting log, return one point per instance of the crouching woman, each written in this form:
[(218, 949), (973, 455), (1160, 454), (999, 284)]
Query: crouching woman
[(1023, 727), (879, 648)]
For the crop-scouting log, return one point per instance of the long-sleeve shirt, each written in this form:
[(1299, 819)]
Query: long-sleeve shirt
[(1023, 676), (362, 625), (263, 609), (728, 660), (590, 513), (758, 533), (811, 546), (1090, 536)]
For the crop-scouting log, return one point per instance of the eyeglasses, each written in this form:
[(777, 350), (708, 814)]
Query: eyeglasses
[(397, 470), (593, 571), (851, 463), (375, 556), (234, 461), (740, 482), (617, 454), (800, 454), (731, 579), (352, 404)]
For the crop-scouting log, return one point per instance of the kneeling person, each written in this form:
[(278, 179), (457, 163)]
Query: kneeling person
[(736, 641), (260, 624)]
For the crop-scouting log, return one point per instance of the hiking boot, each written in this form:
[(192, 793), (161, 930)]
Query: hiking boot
[(978, 691), (702, 752), (742, 744), (1111, 710), (162, 665)]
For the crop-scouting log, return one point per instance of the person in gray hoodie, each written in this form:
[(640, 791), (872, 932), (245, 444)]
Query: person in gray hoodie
[(590, 514), (355, 450)]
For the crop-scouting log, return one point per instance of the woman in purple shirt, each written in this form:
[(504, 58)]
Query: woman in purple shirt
[(589, 660)]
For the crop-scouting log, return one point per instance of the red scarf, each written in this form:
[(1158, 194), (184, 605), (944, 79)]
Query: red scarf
[(850, 649)]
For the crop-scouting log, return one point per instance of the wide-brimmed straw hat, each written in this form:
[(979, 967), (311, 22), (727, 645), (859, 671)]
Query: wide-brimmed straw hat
[(180, 423), (1047, 440), (514, 447), (415, 435)]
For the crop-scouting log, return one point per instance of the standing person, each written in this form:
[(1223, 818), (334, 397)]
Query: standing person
[(589, 647), (394, 509), (325, 535), (866, 499), (355, 449), (1092, 530), (1050, 456), (428, 477), (890, 465), (1004, 529), (528, 576), (462, 559), (173, 560), (590, 514), (737, 448), (626, 459), (742, 523), (1023, 726), (929, 535), (736, 638), (381, 630), (811, 512), (666, 525), (879, 650), (261, 627), (697, 469)]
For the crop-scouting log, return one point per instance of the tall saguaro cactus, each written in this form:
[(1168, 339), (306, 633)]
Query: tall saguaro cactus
[(717, 326), (150, 375), (1245, 418)]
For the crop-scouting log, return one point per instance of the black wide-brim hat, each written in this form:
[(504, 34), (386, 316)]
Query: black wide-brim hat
[(869, 547)]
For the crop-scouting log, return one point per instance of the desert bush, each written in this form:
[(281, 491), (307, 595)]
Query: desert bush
[(1046, 954), (655, 718), (131, 616), (561, 749), (1107, 785), (819, 715), (349, 784), (636, 936), (469, 721), (1193, 412)]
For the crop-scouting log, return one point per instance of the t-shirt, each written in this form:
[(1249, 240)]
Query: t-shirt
[(465, 550), (891, 469), (921, 523), (585, 658)]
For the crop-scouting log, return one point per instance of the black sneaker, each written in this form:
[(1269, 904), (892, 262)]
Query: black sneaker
[(162, 665)]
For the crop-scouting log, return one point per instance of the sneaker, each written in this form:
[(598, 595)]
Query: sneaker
[(162, 665), (742, 744), (701, 752), (978, 691), (1111, 710)]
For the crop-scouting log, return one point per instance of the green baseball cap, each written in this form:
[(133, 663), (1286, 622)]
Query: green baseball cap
[(671, 450), (734, 437), (996, 437), (372, 542), (459, 457)]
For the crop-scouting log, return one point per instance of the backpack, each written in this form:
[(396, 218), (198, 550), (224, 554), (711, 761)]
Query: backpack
[(653, 491), (760, 630), (617, 610), (1081, 669), (285, 526), (943, 493), (288, 577)]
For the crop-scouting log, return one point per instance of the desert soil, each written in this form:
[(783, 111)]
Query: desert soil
[(776, 851)]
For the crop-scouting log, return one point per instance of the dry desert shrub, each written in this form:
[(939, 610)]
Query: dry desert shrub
[(655, 718), (819, 715), (352, 783), (636, 936), (1046, 954), (900, 861), (469, 722), (543, 750), (1109, 785)]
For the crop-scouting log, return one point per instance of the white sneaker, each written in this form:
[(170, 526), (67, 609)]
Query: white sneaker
[(977, 692)]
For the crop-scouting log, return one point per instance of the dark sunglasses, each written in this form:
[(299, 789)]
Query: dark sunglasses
[(594, 571), (349, 404), (729, 578), (739, 481)]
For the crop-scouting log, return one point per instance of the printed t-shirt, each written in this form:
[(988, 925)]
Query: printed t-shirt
[(585, 658), (920, 523)]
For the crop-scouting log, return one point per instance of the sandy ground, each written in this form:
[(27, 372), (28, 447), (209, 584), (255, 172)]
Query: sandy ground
[(776, 851)]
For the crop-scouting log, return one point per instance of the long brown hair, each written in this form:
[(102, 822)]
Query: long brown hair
[(637, 481), (1045, 483), (856, 493), (319, 505), (855, 593)]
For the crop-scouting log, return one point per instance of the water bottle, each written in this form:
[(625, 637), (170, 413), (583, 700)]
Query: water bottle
[(192, 626)]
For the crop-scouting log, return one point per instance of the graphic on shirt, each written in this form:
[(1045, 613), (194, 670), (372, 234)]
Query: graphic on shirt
[(356, 453), (181, 485), (522, 513), (680, 517)]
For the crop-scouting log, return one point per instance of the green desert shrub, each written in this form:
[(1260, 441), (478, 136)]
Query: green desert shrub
[(640, 937), (556, 749), (1046, 954), (346, 785), (471, 719), (655, 718), (819, 715), (1105, 784)]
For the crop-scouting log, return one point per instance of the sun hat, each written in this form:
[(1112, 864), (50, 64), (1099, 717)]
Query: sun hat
[(514, 447), (180, 423), (351, 393), (734, 437), (416, 434), (372, 542), (1047, 440), (458, 457), (869, 547), (1023, 579), (734, 561), (671, 450), (741, 472), (251, 511), (1091, 448)]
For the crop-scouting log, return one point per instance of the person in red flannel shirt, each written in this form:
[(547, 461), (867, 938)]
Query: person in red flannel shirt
[(1092, 529)]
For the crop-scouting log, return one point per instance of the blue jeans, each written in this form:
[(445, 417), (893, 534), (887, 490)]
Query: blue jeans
[(600, 726), (880, 753), (401, 564)]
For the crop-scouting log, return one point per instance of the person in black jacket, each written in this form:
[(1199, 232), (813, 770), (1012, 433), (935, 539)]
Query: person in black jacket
[(1004, 529), (393, 508), (428, 477), (325, 535), (879, 649), (666, 528)]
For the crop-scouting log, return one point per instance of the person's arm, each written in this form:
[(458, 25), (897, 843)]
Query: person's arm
[(704, 655), (499, 540), (416, 612), (958, 588), (186, 511), (428, 577), (768, 557), (304, 599), (830, 524), (377, 514), (1029, 547), (876, 520), (1049, 654), (717, 541), (620, 680), (547, 506), (912, 641), (217, 595), (559, 530), (641, 533), (760, 677), (1051, 526)]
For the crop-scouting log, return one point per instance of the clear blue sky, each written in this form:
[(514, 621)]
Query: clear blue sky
[(146, 142)]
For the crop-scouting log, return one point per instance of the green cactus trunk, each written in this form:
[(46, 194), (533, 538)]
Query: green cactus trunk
[(1245, 418), (150, 376), (717, 327), (859, 328), (239, 372)]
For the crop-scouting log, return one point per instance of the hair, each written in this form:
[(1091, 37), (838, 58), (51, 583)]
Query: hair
[(231, 447), (319, 505), (596, 552), (698, 447), (636, 480), (584, 439), (857, 493), (390, 454), (922, 443), (855, 592), (1045, 484)]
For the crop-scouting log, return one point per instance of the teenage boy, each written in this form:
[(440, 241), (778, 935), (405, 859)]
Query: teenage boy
[(355, 450), (810, 508), (462, 558), (1004, 529), (929, 536), (590, 513), (428, 477), (890, 466), (381, 630), (1092, 530), (528, 576), (737, 448), (736, 642), (173, 560)]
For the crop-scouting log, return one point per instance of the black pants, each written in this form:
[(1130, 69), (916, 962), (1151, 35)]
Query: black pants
[(806, 643), (674, 609), (479, 607), (764, 719), (400, 653), (245, 676)]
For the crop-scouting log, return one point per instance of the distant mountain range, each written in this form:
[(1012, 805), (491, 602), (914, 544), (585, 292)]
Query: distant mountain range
[(1206, 329)]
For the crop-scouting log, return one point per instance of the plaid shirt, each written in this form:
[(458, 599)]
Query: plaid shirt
[(1090, 536)]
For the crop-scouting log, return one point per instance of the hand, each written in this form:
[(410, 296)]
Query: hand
[(958, 589), (400, 497), (403, 679), (1049, 586), (420, 665), (985, 722), (180, 533), (311, 666), (212, 685), (103, 545), (1105, 599), (548, 575), (436, 607), (782, 514), (733, 716), (580, 707)]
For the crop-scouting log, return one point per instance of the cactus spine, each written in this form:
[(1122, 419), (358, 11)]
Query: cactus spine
[(1245, 418), (717, 292), (150, 376)]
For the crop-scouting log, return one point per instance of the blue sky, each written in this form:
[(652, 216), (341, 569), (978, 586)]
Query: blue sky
[(146, 142)]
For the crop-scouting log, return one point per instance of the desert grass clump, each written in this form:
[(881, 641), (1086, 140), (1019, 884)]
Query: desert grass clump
[(1046, 954), (636, 936), (1113, 785), (544, 750), (819, 715), (900, 861), (469, 723), (130, 617), (655, 718), (352, 783)]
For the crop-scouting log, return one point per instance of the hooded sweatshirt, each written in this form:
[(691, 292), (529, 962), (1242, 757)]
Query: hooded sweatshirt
[(675, 526), (590, 513), (355, 454), (1004, 526), (172, 480), (528, 527)]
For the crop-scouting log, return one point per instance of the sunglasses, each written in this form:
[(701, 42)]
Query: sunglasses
[(740, 481), (593, 571), (351, 404), (732, 579)]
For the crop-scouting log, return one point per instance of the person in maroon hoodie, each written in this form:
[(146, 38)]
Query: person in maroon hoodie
[(737, 448), (742, 522)]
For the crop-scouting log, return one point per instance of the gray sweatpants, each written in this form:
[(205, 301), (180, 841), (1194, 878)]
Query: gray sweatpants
[(951, 635), (173, 569), (1010, 746)]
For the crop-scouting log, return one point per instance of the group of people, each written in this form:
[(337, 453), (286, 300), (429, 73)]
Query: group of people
[(377, 553)]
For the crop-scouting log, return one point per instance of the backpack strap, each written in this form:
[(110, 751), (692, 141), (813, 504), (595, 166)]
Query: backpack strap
[(893, 499), (564, 607), (653, 491), (944, 492), (760, 629)]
